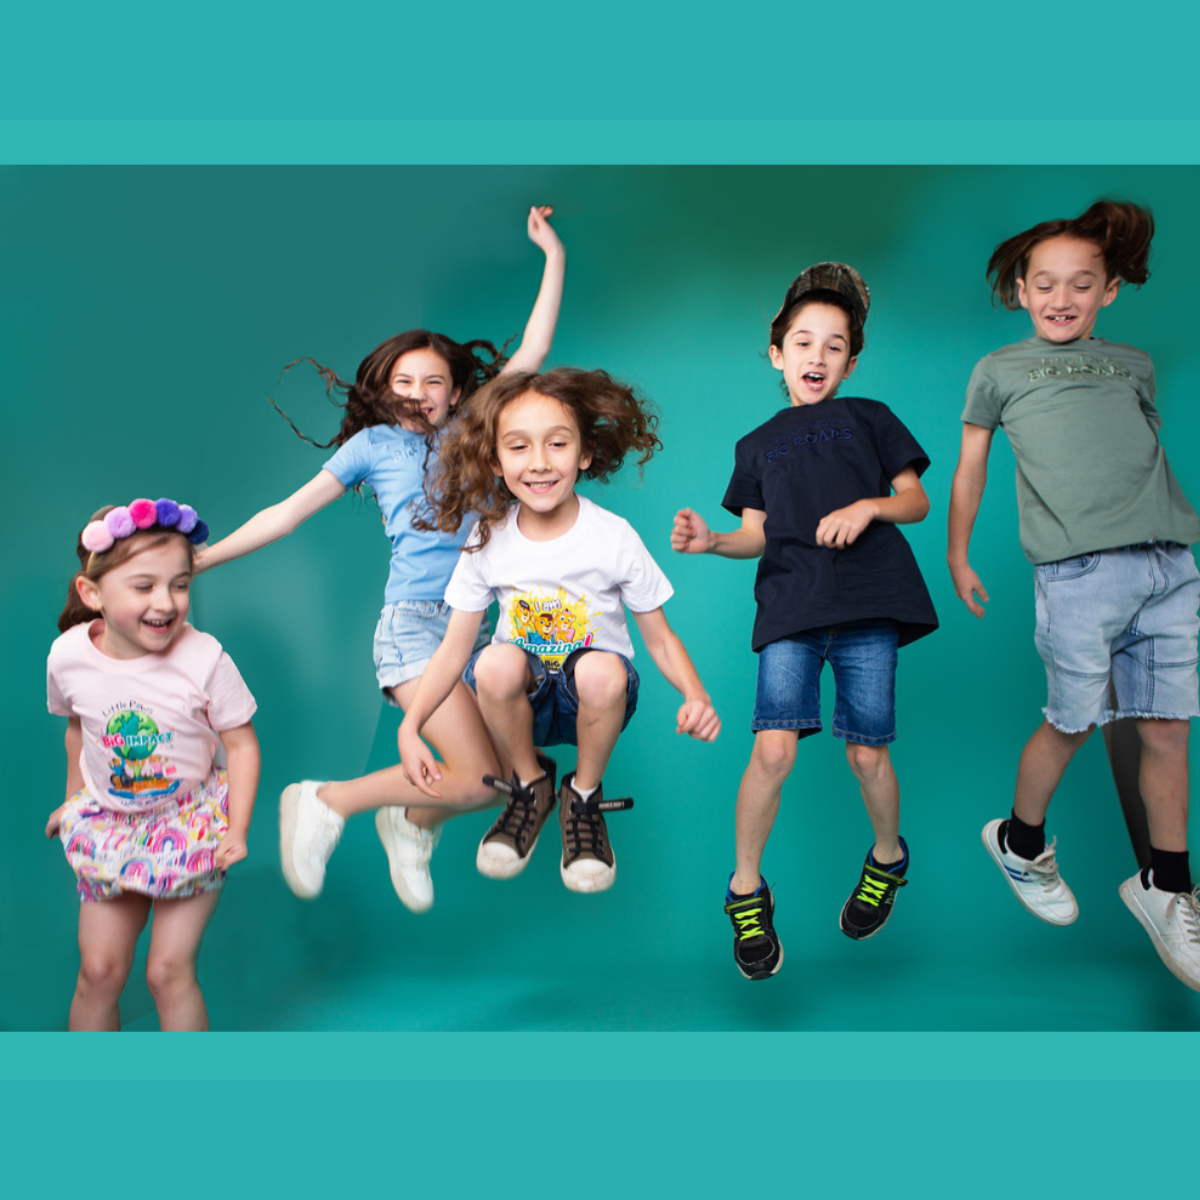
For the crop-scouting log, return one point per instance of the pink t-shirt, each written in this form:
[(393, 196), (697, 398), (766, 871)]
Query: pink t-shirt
[(149, 724)]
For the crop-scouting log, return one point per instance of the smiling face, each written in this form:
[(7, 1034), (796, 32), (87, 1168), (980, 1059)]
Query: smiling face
[(814, 354), (144, 600), (424, 376), (539, 454), (1065, 287)]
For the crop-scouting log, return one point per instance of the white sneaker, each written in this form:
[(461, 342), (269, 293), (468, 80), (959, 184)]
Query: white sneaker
[(1172, 919), (409, 848), (308, 832), (1035, 882)]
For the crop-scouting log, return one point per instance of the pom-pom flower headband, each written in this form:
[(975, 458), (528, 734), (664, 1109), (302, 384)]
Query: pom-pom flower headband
[(125, 520)]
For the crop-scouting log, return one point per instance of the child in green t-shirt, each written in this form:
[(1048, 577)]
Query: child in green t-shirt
[(1107, 528)]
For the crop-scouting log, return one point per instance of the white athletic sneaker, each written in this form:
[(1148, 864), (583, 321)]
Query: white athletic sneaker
[(1172, 919), (1036, 883), (409, 848), (308, 832)]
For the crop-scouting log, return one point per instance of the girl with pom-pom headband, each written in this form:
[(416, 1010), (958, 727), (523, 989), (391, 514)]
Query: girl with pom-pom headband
[(117, 531)]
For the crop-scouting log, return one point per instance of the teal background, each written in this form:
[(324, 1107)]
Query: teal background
[(148, 313)]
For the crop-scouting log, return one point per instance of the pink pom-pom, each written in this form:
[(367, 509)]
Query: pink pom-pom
[(96, 537), (187, 518), (120, 523), (144, 513)]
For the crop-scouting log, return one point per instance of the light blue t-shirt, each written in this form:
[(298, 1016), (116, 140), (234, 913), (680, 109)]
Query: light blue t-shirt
[(391, 462)]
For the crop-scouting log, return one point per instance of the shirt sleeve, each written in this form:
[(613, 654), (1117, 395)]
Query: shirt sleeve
[(352, 462), (1145, 391), (983, 400), (643, 585), (467, 590), (895, 445), (56, 700), (230, 703), (745, 485)]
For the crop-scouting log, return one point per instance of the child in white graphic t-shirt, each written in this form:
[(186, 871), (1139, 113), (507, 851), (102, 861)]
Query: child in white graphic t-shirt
[(564, 570)]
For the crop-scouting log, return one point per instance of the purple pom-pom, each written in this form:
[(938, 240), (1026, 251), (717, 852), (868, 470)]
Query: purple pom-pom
[(144, 513), (199, 533), (168, 513), (187, 518), (120, 522), (96, 537)]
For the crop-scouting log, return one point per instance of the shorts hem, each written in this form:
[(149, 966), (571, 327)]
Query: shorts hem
[(400, 676), (800, 727), (859, 739), (1139, 714), (1064, 727)]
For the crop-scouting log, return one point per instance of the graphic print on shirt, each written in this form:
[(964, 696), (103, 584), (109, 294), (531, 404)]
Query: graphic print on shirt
[(1064, 365), (550, 626), (136, 770), (811, 433)]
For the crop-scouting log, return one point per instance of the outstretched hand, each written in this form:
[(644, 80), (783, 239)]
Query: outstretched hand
[(690, 533), (967, 585), (698, 719), (541, 232)]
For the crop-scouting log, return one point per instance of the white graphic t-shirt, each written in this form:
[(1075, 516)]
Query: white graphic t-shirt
[(149, 724), (566, 594)]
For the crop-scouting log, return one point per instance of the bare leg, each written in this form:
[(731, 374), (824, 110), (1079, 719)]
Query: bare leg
[(457, 732), (770, 764), (601, 683), (503, 678), (1164, 780), (872, 767), (1043, 761), (171, 965), (108, 934)]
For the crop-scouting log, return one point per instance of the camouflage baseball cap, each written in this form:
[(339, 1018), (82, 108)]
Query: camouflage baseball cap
[(833, 277)]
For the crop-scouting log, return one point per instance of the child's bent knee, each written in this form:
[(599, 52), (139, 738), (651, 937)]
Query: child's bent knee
[(1164, 736), (167, 975), (501, 670), (775, 751), (867, 762), (601, 680), (102, 973)]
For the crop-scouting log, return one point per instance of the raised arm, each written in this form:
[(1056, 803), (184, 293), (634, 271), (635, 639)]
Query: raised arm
[(272, 523), (539, 329), (691, 535), (970, 477), (437, 682), (696, 716)]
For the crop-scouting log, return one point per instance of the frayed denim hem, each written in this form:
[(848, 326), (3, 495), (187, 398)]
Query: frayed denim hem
[(1133, 714)]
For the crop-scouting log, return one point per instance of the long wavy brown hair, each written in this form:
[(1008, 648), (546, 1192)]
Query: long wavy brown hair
[(92, 566), (369, 400), (612, 419), (1121, 230)]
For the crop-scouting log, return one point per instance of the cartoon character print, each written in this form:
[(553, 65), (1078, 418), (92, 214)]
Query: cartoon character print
[(550, 625), (136, 772)]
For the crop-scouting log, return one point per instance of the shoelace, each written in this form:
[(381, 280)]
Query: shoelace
[(585, 828), (1045, 866), (520, 813), (872, 890), (1190, 903), (749, 922), (327, 832), (416, 844)]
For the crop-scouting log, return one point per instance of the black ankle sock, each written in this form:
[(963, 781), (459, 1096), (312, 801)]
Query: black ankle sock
[(896, 868), (1171, 872), (1025, 841)]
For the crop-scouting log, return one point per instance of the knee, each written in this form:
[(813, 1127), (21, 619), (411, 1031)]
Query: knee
[(868, 763), (500, 671), (166, 975), (103, 973), (775, 753), (601, 680), (1164, 737)]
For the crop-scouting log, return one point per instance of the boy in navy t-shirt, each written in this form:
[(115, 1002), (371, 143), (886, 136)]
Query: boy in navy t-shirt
[(820, 489)]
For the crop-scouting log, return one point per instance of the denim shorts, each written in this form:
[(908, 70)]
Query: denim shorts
[(554, 700), (1126, 614), (408, 633), (863, 657)]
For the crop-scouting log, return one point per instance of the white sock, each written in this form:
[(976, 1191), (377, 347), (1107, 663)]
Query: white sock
[(583, 793)]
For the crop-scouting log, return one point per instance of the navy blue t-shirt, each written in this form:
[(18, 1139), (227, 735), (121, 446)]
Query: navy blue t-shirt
[(804, 463)]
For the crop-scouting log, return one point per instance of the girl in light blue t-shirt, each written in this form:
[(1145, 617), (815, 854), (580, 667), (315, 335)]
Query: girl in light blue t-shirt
[(405, 391)]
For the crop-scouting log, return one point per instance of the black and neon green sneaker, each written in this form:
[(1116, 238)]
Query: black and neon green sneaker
[(870, 904), (757, 949)]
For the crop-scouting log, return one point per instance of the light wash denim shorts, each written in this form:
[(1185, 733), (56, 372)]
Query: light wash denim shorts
[(1129, 615), (408, 633), (862, 655)]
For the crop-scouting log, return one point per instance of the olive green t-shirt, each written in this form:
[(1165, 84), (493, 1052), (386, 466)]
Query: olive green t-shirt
[(1082, 423)]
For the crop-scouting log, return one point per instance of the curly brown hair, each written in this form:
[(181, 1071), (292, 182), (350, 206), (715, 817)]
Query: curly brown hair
[(92, 566), (1122, 231), (612, 419), (369, 400)]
